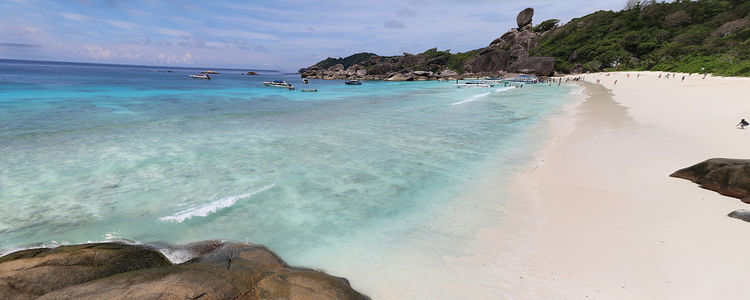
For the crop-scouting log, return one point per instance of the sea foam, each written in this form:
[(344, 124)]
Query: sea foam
[(472, 98), (503, 89), (211, 207)]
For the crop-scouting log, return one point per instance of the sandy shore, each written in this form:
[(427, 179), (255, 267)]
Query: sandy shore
[(601, 219)]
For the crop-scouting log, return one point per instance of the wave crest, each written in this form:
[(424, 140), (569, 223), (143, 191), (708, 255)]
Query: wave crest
[(211, 207)]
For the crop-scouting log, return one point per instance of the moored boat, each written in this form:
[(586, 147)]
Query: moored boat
[(522, 79), (474, 84), (200, 76), (278, 84), (353, 82)]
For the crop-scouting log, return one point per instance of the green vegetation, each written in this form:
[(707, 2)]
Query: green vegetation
[(347, 61), (445, 59), (546, 25), (680, 36)]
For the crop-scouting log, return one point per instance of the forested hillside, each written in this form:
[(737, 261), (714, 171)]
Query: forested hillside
[(681, 36)]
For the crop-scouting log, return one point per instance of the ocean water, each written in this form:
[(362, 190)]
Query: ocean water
[(99, 152)]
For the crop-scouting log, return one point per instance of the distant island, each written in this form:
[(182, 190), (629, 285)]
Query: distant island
[(707, 36)]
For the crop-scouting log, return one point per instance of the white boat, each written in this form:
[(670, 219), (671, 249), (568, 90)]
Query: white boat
[(522, 79), (200, 76), (278, 84), (474, 84)]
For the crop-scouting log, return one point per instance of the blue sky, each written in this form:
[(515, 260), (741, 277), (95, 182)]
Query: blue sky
[(279, 34)]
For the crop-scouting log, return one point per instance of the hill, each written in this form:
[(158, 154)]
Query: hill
[(710, 36), (681, 36)]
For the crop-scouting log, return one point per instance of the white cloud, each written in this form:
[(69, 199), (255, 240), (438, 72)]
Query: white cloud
[(95, 52), (172, 32), (186, 58), (75, 17)]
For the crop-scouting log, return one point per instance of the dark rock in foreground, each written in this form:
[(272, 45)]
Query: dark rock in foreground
[(729, 177), (120, 271), (741, 214)]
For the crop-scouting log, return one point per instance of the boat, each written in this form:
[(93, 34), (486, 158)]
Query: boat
[(522, 79), (200, 76), (309, 90), (305, 81), (278, 84), (474, 84), (353, 82), (209, 72)]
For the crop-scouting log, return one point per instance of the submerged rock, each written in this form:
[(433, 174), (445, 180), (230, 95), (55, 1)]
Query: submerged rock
[(729, 177), (119, 271)]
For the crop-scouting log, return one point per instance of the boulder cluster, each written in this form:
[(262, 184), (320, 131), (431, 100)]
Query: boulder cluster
[(212, 270), (507, 54)]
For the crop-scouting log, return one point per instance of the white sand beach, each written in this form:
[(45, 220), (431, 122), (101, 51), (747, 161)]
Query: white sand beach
[(601, 219), (597, 215)]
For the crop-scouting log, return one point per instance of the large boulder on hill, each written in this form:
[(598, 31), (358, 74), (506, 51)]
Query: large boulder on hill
[(540, 66), (491, 60), (401, 77), (448, 73), (336, 68), (117, 271), (381, 69), (410, 60), (351, 71), (516, 40), (524, 17), (729, 177)]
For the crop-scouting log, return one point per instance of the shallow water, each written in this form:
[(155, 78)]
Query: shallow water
[(96, 152)]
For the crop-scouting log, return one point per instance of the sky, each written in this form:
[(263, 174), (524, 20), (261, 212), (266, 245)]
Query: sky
[(281, 34)]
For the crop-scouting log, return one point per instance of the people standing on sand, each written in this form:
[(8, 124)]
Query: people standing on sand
[(615, 81), (639, 75), (683, 77), (659, 76), (742, 124)]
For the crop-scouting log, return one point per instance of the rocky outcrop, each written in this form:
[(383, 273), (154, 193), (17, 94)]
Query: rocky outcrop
[(505, 54), (524, 17), (540, 66), (729, 177), (490, 60), (120, 271)]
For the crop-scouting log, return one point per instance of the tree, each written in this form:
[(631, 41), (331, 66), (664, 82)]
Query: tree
[(632, 4)]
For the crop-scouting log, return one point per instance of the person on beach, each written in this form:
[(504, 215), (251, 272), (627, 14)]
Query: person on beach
[(659, 76), (742, 124)]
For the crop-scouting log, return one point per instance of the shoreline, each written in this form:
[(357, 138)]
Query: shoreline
[(605, 219)]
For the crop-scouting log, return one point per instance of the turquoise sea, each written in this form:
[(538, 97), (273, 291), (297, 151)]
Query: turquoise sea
[(100, 152)]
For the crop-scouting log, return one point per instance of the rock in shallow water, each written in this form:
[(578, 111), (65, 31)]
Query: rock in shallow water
[(119, 271)]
